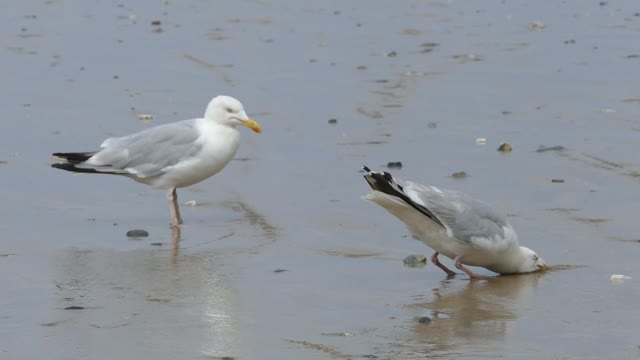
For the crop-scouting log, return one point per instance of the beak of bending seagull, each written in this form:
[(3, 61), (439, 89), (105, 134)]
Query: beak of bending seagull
[(170, 156)]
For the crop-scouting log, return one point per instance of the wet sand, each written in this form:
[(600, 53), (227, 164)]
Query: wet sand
[(282, 259)]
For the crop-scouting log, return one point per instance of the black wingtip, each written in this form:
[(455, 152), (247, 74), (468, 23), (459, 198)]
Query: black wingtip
[(72, 167), (385, 183), (76, 157)]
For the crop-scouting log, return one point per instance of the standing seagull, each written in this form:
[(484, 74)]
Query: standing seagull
[(170, 156), (466, 230)]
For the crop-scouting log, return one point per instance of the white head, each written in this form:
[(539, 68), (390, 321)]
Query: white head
[(529, 261), (228, 111)]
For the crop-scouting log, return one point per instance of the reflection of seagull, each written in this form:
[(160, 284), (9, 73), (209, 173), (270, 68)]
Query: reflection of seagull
[(470, 317), (463, 229), (172, 155)]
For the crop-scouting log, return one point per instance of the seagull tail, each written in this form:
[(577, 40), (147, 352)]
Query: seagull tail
[(75, 162), (385, 183), (76, 157), (73, 168)]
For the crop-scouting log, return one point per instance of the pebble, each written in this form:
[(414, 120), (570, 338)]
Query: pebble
[(394, 164), (279, 270), (391, 54), (145, 117), (156, 244), (337, 334), (557, 180), (415, 259), (619, 277), (74, 308), (137, 233), (333, 121), (424, 320), (537, 25), (543, 148), (459, 175), (505, 147)]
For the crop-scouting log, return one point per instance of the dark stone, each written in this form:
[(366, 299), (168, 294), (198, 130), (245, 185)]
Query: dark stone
[(333, 121), (137, 233), (394, 164), (156, 244), (415, 259), (279, 270), (557, 180), (424, 320), (74, 308), (505, 147), (543, 148), (459, 175)]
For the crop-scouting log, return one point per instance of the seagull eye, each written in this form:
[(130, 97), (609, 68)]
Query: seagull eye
[(535, 257), (229, 110)]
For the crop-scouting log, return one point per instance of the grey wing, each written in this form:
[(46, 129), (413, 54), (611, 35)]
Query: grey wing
[(464, 217), (147, 153)]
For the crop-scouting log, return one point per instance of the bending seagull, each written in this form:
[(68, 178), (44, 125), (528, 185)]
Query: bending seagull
[(466, 230), (170, 156)]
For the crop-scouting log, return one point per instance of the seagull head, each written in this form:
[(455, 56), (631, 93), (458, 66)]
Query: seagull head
[(530, 261), (230, 112)]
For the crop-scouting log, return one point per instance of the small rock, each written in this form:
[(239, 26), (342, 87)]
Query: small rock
[(481, 141), (391, 54), (415, 259), (156, 244), (156, 23), (145, 117), (337, 334), (333, 121), (506, 112), (74, 308), (361, 67), (557, 180), (619, 277), (394, 164), (459, 175), (543, 148), (424, 320), (279, 270), (536, 25), (571, 41), (137, 233), (505, 147)]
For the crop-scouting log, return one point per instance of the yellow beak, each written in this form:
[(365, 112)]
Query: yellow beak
[(252, 124), (543, 267)]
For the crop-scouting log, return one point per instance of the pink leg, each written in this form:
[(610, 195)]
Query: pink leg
[(459, 265), (436, 262), (172, 197)]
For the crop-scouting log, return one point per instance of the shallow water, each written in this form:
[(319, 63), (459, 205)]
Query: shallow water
[(416, 83)]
